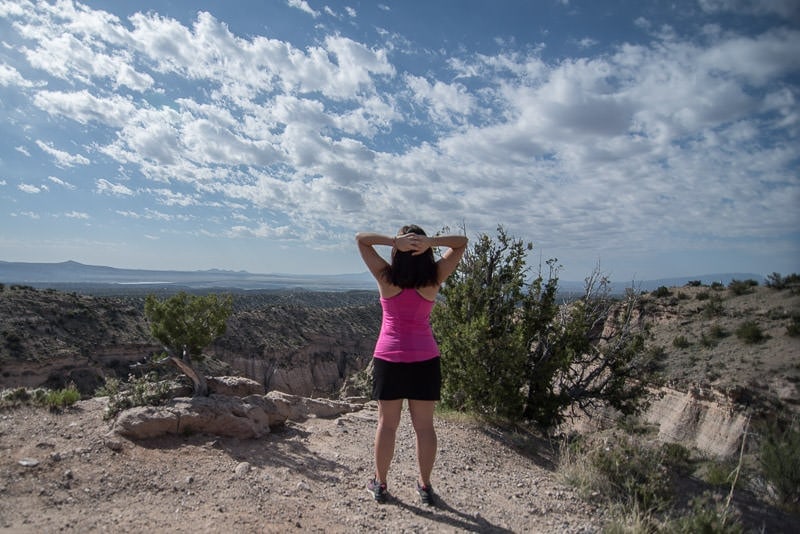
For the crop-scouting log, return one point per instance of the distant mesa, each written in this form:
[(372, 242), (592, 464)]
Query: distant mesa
[(72, 272)]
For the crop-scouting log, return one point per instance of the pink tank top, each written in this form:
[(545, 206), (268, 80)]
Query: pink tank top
[(406, 334)]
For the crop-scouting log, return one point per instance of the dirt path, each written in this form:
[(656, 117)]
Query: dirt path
[(308, 477)]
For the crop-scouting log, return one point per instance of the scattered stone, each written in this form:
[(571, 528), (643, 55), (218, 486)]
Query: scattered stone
[(28, 462), (242, 469), (114, 444)]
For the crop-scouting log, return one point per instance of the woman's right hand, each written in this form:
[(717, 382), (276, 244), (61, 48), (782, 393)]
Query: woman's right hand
[(415, 243)]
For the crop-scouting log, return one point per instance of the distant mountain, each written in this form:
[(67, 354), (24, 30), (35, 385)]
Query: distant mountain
[(71, 272), (618, 287)]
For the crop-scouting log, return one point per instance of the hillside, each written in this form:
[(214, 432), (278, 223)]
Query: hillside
[(693, 331), (64, 471), (50, 337)]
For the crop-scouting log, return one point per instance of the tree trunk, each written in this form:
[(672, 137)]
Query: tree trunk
[(198, 380)]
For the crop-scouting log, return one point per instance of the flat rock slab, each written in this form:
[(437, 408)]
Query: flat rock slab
[(223, 415)]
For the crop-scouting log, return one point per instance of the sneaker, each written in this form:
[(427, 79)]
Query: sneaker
[(426, 494), (378, 491)]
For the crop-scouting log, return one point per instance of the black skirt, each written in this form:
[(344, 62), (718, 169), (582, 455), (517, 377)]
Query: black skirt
[(417, 380)]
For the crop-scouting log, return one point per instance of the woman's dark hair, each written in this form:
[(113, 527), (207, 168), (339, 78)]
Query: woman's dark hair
[(409, 271)]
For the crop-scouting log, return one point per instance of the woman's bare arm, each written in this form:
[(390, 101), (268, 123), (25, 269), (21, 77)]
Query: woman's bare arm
[(457, 245)]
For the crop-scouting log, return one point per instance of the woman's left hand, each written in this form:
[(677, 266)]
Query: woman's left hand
[(415, 243)]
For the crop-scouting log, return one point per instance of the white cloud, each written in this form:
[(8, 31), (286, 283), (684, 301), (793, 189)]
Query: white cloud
[(263, 230), (30, 188), (63, 159), (784, 8), (302, 5), (28, 214), (10, 76), (106, 187), (22, 150), (76, 215), (756, 59), (446, 103), (60, 182), (604, 148), (84, 107)]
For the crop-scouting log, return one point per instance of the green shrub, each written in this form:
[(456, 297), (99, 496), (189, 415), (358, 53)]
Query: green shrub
[(61, 398), (677, 457), (680, 342), (718, 473), (708, 341), (634, 474), (793, 328), (779, 458), (717, 286), (750, 333), (618, 470), (146, 390), (742, 287), (662, 291), (717, 332), (714, 307), (776, 281), (53, 399), (701, 295), (707, 514), (694, 283)]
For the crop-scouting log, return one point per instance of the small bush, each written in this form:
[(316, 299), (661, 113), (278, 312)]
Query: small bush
[(779, 458), (717, 286), (717, 332), (742, 287), (776, 281), (662, 291), (793, 328), (707, 514), (681, 342), (694, 283), (701, 295), (53, 399), (713, 308), (677, 457), (146, 390), (750, 333), (619, 470), (61, 398), (708, 341), (718, 473), (635, 474)]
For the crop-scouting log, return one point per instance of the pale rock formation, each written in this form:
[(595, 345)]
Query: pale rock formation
[(704, 420), (240, 417)]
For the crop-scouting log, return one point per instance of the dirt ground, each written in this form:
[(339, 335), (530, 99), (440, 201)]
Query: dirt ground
[(65, 473)]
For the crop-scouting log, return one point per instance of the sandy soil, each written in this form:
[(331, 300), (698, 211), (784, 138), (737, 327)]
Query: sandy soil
[(65, 473)]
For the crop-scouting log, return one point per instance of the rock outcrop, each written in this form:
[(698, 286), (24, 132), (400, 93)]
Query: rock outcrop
[(704, 420), (241, 417)]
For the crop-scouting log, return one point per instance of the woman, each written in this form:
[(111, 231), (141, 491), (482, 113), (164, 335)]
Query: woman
[(406, 357)]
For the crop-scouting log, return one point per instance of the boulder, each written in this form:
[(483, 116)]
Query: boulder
[(296, 408), (236, 386), (223, 415)]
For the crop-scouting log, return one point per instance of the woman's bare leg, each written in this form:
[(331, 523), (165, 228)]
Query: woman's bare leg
[(385, 434), (422, 419)]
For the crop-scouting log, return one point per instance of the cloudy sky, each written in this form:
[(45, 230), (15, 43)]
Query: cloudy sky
[(654, 138)]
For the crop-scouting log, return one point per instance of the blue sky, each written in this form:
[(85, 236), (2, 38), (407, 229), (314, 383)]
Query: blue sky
[(653, 138)]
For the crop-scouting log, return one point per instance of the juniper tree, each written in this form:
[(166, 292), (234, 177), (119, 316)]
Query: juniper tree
[(510, 349), (186, 324)]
